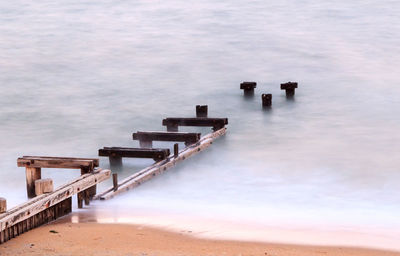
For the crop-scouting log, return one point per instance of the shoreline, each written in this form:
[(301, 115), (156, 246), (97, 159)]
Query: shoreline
[(89, 238)]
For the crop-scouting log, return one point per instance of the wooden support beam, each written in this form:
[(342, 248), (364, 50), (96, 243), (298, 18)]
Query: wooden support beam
[(289, 87), (158, 168), (266, 100), (148, 137), (43, 186), (3, 205), (174, 122), (34, 207), (58, 162), (155, 153), (32, 174), (201, 111)]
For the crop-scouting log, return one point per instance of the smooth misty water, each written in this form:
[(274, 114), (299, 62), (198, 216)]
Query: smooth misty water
[(79, 75)]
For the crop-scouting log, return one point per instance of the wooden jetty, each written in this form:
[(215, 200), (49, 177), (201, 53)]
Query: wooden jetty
[(46, 207), (194, 144), (47, 204), (159, 167)]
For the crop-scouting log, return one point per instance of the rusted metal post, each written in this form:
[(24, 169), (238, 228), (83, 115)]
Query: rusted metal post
[(266, 100), (201, 111)]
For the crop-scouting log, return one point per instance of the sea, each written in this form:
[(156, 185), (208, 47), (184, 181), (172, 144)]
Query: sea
[(320, 168)]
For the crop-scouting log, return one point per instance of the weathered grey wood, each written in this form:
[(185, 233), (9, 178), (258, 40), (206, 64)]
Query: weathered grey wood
[(155, 153), (266, 100), (172, 123), (201, 110), (43, 186), (158, 168), (146, 138), (289, 87), (43, 202), (32, 174), (115, 181), (3, 205), (57, 162)]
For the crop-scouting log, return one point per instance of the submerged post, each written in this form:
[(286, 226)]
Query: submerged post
[(176, 150), (248, 88), (266, 100), (289, 87), (201, 111), (115, 181), (3, 205)]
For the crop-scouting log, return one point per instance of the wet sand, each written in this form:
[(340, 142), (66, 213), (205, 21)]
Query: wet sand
[(128, 240)]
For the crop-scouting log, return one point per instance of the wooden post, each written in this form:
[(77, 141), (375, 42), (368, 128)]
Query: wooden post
[(172, 127), (115, 181), (248, 88), (266, 100), (115, 161), (201, 111), (32, 174), (92, 190), (146, 143), (43, 186), (3, 205), (80, 197), (290, 88), (176, 150)]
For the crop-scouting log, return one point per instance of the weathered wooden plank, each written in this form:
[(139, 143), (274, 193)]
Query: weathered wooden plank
[(173, 123), (155, 153), (158, 168), (57, 162), (43, 202), (187, 137)]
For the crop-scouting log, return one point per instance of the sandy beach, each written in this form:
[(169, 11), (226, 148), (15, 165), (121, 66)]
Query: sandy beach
[(116, 239)]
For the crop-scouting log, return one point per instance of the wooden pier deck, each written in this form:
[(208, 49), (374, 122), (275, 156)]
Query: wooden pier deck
[(46, 207)]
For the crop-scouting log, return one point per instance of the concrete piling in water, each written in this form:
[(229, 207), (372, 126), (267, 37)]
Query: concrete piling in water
[(266, 100), (290, 88)]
